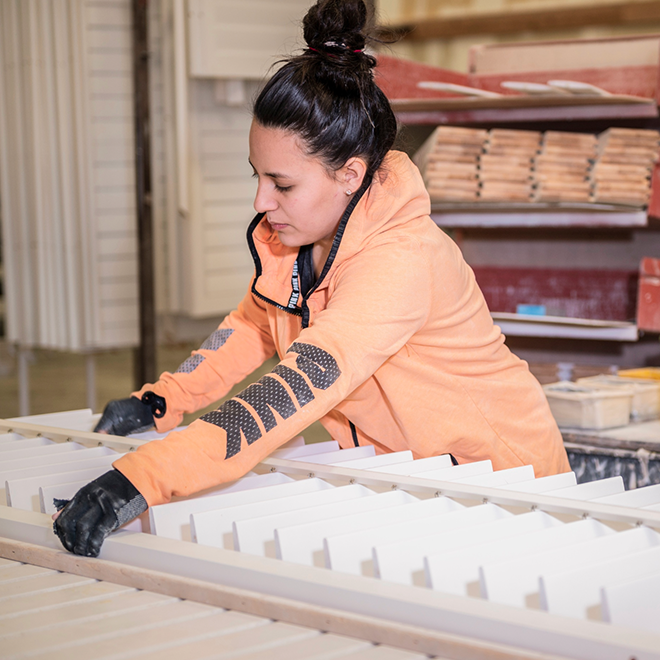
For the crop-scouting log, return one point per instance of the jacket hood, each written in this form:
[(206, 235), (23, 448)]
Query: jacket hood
[(396, 197)]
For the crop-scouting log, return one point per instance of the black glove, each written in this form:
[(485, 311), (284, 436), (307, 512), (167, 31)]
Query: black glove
[(132, 415), (97, 509)]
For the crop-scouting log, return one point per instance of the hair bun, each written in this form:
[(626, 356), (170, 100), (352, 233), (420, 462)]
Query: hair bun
[(327, 95), (336, 27)]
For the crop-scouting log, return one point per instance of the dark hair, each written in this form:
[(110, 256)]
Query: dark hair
[(327, 95)]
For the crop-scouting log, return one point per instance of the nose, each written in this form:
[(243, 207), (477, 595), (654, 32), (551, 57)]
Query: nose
[(264, 200)]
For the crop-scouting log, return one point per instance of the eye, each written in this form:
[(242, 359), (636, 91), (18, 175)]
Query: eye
[(282, 189), (255, 175)]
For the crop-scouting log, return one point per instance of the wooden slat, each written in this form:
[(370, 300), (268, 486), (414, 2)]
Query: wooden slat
[(593, 489), (24, 493), (214, 526), (576, 592), (334, 458), (455, 568), (93, 600), (8, 450), (456, 472), (545, 484), (173, 520), (306, 450), (501, 478), (514, 581), (320, 646), (640, 497), (403, 561), (36, 585), (415, 467), (96, 637), (351, 552), (381, 460), (302, 542), (42, 450), (633, 603), (254, 531)]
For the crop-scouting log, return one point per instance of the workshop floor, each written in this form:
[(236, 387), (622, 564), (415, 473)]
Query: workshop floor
[(58, 380)]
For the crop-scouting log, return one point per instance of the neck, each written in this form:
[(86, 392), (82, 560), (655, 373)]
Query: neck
[(320, 253)]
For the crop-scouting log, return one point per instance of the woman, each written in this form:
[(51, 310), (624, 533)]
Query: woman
[(379, 324)]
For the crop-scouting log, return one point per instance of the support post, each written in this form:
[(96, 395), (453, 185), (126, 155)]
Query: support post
[(90, 372), (23, 357), (145, 354)]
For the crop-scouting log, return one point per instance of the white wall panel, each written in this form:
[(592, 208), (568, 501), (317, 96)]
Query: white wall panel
[(220, 260), (217, 262), (241, 38)]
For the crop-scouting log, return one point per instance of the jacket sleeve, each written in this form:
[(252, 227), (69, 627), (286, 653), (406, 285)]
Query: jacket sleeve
[(241, 343), (375, 307)]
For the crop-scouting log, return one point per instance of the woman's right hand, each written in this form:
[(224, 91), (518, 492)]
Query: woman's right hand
[(97, 509), (132, 415)]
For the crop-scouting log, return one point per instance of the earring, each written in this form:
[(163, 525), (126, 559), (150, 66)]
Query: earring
[(349, 192)]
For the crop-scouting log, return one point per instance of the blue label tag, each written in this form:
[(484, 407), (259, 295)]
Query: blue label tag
[(534, 310)]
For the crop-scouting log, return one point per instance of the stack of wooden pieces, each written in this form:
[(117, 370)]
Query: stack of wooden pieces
[(563, 166), (505, 166), (466, 165), (622, 173), (448, 162)]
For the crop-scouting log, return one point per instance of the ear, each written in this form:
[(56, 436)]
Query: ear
[(352, 174)]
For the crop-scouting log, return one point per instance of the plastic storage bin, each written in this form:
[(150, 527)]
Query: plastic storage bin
[(585, 407), (646, 393)]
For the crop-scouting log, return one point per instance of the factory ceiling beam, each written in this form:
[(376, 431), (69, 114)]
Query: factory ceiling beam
[(560, 18)]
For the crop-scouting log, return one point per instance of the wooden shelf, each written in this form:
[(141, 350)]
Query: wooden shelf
[(642, 435), (536, 215), (522, 325), (627, 68), (511, 109)]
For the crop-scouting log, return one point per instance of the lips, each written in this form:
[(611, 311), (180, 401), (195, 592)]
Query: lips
[(277, 226)]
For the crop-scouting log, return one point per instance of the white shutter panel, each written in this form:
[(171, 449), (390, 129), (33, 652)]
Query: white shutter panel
[(67, 173)]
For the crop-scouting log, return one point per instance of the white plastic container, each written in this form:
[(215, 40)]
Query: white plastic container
[(646, 393), (585, 407)]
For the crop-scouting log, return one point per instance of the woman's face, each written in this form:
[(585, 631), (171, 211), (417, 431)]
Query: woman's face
[(302, 201)]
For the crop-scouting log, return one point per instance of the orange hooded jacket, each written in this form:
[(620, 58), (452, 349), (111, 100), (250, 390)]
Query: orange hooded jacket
[(393, 346)]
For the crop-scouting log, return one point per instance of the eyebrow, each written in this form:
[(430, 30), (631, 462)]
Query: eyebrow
[(272, 175)]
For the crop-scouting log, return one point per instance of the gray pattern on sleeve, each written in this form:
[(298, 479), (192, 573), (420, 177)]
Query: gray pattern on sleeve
[(216, 339), (212, 343)]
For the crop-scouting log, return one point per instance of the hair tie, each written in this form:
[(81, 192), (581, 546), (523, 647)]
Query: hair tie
[(334, 44)]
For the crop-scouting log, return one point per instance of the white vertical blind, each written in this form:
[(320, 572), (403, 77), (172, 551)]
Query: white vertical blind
[(67, 173)]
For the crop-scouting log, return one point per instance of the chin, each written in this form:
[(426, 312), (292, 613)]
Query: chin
[(289, 241)]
